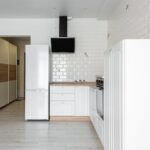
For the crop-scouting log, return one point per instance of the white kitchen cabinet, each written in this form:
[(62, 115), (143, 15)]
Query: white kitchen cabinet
[(62, 89), (62, 100), (126, 96), (69, 100), (92, 102), (96, 120), (100, 128), (62, 96), (82, 101), (62, 108)]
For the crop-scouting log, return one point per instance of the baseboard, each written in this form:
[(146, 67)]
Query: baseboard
[(20, 98), (70, 118)]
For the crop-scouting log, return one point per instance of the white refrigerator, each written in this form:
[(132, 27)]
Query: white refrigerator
[(37, 82)]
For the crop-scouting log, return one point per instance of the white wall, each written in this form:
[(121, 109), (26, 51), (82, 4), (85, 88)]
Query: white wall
[(40, 30), (131, 23), (90, 37)]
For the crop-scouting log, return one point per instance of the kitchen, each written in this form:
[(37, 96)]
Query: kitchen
[(99, 29)]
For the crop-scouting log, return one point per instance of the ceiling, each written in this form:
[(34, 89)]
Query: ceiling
[(53, 8)]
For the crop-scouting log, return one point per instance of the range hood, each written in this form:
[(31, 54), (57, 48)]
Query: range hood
[(63, 43)]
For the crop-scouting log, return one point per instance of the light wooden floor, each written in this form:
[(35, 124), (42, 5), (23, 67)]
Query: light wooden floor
[(16, 134)]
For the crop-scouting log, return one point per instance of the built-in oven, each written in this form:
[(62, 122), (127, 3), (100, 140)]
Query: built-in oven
[(100, 96)]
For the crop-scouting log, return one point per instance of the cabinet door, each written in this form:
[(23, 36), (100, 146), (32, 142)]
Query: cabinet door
[(62, 108), (4, 56), (62, 97), (12, 72), (92, 101), (82, 101), (62, 89)]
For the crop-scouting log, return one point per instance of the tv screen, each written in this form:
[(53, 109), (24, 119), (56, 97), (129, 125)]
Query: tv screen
[(65, 45)]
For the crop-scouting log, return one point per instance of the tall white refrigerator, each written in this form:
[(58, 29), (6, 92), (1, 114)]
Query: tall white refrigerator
[(37, 82)]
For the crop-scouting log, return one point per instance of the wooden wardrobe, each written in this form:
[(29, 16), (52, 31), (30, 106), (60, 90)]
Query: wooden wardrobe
[(8, 72)]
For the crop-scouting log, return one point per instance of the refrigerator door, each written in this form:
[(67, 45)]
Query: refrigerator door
[(37, 82)]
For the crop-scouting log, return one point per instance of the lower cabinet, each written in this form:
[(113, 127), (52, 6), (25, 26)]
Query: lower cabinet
[(82, 101), (62, 108), (69, 101), (96, 120)]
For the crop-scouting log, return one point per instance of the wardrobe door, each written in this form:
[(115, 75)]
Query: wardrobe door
[(4, 52), (12, 72)]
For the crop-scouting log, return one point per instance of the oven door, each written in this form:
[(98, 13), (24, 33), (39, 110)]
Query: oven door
[(100, 102)]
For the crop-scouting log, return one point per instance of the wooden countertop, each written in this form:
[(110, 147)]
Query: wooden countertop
[(90, 84)]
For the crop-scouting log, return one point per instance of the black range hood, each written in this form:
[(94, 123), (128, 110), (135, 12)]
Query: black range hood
[(63, 43)]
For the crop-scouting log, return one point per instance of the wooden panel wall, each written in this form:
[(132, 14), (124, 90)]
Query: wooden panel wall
[(3, 72), (12, 72)]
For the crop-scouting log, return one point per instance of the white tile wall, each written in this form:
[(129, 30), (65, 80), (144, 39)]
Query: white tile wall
[(87, 61), (131, 23)]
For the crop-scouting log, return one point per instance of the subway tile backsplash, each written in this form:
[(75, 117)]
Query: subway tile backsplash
[(71, 67)]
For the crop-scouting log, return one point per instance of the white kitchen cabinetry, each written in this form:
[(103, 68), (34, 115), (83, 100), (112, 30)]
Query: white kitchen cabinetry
[(69, 101), (127, 96), (62, 101), (62, 108), (82, 101), (97, 122), (62, 89), (92, 102)]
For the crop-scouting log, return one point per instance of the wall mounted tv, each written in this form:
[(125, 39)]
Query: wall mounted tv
[(63, 45)]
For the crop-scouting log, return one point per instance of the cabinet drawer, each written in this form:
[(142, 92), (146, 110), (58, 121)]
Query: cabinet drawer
[(61, 108), (62, 97), (62, 89)]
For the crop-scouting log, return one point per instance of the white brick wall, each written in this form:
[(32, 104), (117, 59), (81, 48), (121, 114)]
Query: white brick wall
[(131, 23), (87, 61)]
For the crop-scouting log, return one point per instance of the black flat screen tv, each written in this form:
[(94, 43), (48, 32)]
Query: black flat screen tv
[(63, 45)]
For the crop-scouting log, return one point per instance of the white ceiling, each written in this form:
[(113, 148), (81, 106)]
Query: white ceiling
[(55, 8)]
